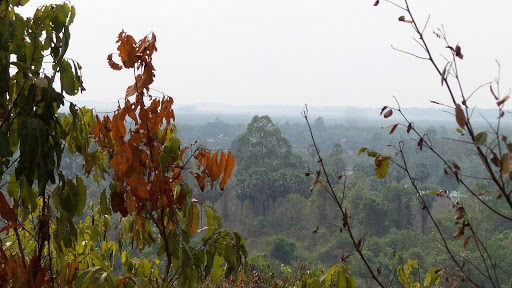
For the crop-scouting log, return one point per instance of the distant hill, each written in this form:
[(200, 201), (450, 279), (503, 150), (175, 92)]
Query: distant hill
[(207, 112)]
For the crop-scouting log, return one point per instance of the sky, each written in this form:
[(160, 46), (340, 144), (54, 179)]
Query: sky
[(291, 52)]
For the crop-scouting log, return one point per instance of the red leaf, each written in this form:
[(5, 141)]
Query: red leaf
[(6, 210), (460, 117), (466, 241), (358, 245), (382, 111), (7, 227)]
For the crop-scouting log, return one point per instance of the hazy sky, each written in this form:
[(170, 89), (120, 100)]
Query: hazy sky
[(315, 52)]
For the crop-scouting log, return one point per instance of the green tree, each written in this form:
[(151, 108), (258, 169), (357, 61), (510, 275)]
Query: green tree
[(267, 168)]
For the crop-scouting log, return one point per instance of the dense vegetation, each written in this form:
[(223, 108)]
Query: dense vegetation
[(117, 201)]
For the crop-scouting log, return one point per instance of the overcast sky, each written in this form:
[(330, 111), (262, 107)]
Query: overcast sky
[(315, 52)]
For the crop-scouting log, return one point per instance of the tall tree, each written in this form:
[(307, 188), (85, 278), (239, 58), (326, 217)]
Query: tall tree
[(264, 157)]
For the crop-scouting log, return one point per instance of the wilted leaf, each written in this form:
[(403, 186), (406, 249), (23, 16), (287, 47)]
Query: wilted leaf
[(388, 113), (458, 53), (376, 3), (505, 164), (480, 139), (494, 159), (382, 110), (6, 211), (466, 241), (456, 166), (381, 166), (460, 212), (492, 92), (362, 150), (358, 244), (393, 129), (230, 164), (112, 63), (460, 117), (401, 18), (459, 233), (409, 128), (502, 101)]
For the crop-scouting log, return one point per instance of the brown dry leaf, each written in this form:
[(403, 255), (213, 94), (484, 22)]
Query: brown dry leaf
[(376, 3), (127, 50), (6, 211), (401, 18), (502, 101), (393, 129), (460, 213), (505, 164), (460, 117), (467, 241), (458, 53), (459, 233), (112, 63), (388, 113)]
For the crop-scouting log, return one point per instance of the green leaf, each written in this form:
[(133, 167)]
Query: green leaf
[(83, 280), (480, 139), (104, 207), (67, 79), (217, 269), (362, 150), (433, 277)]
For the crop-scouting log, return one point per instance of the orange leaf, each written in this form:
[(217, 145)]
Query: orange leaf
[(200, 181), (230, 164), (126, 49), (6, 210), (502, 101)]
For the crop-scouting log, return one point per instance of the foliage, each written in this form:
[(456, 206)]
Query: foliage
[(49, 241)]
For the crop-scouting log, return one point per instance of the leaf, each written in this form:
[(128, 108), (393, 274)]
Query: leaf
[(126, 49), (5, 145), (362, 150), (480, 139), (192, 220), (443, 74), (230, 164), (459, 116), (376, 3), (460, 213), (358, 244), (6, 211), (467, 241), (459, 233), (382, 110), (381, 166), (456, 166), (393, 129), (502, 101), (112, 63), (409, 127), (67, 79), (458, 52), (401, 18), (388, 113), (10, 226), (505, 164), (494, 159)]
